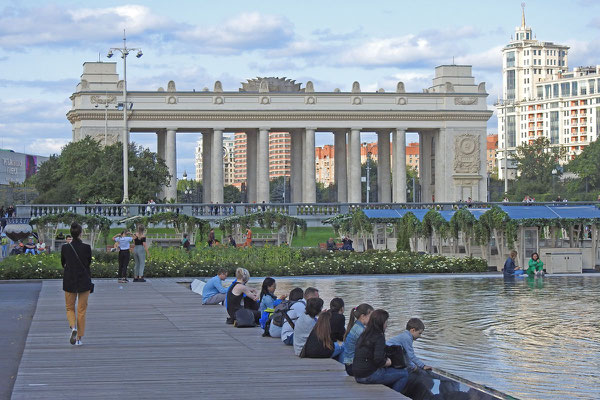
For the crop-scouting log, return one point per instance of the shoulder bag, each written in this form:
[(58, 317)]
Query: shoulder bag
[(83, 266)]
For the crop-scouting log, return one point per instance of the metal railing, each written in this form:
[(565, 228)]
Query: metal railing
[(218, 211)]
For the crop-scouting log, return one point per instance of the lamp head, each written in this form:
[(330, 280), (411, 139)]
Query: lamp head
[(139, 54), (110, 54)]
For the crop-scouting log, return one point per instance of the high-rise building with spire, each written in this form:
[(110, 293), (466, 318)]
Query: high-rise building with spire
[(540, 98)]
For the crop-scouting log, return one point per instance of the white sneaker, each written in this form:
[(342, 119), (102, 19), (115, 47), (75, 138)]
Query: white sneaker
[(73, 337), (78, 342)]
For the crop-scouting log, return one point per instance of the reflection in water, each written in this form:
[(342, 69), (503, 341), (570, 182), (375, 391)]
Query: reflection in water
[(533, 339)]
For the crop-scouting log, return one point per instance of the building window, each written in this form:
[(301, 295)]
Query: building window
[(510, 59)]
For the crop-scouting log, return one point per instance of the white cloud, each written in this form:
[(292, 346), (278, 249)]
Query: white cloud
[(47, 146), (246, 31), (391, 51), (53, 25), (487, 59)]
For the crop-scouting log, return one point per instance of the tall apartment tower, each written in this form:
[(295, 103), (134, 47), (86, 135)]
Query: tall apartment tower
[(526, 62)]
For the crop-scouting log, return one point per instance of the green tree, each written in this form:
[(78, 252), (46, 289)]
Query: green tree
[(192, 186), (231, 194), (535, 163), (372, 182), (326, 194), (587, 166), (85, 170), (276, 189)]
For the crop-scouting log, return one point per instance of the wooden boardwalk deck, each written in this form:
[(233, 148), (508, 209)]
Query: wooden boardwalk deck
[(155, 340)]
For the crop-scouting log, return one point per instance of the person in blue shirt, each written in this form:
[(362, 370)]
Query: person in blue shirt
[(214, 292), (268, 300), (419, 382), (359, 318), (510, 268)]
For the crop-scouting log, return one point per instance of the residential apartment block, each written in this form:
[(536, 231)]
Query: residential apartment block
[(540, 98)]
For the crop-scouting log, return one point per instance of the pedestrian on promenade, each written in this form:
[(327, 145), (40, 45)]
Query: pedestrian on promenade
[(370, 364), (4, 243), (76, 258), (140, 253), (124, 240), (213, 291)]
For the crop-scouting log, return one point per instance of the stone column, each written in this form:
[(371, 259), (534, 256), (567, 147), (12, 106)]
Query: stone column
[(384, 194), (171, 160), (399, 174), (251, 137), (340, 165), (216, 167), (160, 150), (354, 185), (206, 167), (262, 166), (309, 183), (296, 153)]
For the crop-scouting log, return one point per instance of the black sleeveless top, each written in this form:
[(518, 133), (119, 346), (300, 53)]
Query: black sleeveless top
[(140, 241), (234, 302)]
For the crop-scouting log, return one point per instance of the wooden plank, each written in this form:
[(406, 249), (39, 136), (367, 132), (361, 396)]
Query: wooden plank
[(155, 340)]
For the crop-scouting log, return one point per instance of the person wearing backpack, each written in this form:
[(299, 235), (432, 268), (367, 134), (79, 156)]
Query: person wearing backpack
[(268, 300), (277, 318), (296, 310)]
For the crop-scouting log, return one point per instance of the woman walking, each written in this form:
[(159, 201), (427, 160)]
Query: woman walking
[(76, 258), (140, 253), (123, 240)]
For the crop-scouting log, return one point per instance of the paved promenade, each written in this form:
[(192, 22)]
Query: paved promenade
[(154, 340)]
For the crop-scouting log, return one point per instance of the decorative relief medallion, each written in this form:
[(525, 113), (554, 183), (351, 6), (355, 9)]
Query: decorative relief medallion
[(356, 101), (310, 100), (466, 153), (401, 101), (102, 100), (171, 100), (218, 100), (265, 100), (465, 101)]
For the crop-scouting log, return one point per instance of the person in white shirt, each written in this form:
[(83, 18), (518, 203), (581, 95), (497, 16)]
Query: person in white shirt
[(297, 309), (124, 240)]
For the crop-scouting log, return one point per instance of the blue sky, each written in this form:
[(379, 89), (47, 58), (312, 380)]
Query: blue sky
[(333, 43)]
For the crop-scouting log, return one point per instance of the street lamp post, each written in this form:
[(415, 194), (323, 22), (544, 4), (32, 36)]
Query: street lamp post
[(124, 53), (368, 175)]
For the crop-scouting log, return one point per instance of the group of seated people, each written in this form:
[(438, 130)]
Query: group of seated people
[(346, 244), (29, 247), (299, 320)]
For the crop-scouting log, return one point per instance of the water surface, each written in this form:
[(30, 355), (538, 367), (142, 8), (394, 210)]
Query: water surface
[(533, 339)]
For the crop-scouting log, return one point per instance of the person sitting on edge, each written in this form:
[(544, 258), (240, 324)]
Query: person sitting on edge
[(510, 268), (214, 292), (359, 318), (370, 364), (30, 246), (296, 310), (185, 242), (347, 244), (419, 382), (236, 293), (296, 295), (338, 321), (40, 247), (536, 266), (319, 343), (267, 295), (306, 322), (331, 245)]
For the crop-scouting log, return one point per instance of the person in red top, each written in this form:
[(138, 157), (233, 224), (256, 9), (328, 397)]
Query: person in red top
[(248, 241)]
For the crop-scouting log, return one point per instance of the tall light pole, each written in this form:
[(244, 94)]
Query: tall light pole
[(124, 53), (368, 175)]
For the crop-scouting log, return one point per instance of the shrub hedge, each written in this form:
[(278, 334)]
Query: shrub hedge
[(260, 261)]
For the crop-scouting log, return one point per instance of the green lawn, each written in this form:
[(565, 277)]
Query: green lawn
[(313, 236)]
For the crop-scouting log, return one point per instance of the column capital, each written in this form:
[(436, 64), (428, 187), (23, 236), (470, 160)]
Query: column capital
[(264, 128), (356, 128), (311, 128), (171, 128), (401, 129)]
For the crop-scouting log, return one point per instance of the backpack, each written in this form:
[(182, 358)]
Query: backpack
[(244, 318), (280, 315)]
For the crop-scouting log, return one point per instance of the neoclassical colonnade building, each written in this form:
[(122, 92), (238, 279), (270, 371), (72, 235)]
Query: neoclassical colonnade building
[(450, 118)]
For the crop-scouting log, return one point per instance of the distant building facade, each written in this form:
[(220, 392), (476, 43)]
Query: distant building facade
[(228, 160), (16, 167), (540, 98), (492, 161)]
